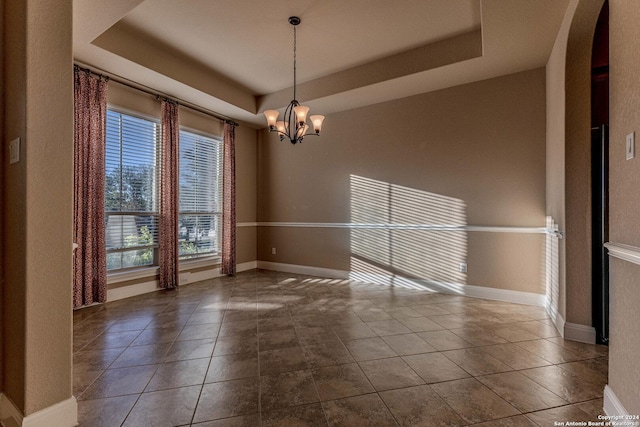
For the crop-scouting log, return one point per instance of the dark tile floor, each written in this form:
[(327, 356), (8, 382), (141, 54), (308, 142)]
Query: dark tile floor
[(276, 349)]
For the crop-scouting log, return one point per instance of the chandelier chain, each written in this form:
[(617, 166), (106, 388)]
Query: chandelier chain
[(294, 62)]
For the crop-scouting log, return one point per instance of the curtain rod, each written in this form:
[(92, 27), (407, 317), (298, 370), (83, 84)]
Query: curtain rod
[(150, 91)]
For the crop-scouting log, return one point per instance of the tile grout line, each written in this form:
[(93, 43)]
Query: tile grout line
[(324, 301)]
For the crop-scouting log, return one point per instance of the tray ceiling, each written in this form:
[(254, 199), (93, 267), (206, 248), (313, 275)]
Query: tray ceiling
[(236, 56)]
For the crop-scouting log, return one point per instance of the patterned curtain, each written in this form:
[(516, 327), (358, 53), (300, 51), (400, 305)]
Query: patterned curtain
[(90, 257), (169, 196), (229, 201)]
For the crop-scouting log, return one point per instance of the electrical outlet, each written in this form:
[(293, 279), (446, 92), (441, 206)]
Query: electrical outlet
[(273, 251), (631, 145), (463, 267), (14, 151)]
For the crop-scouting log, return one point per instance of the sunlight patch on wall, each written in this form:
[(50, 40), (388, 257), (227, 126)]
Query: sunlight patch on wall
[(406, 237)]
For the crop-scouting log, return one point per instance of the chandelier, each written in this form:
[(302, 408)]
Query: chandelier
[(294, 125)]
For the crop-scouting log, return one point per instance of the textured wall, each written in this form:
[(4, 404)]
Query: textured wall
[(568, 189), (14, 206), (474, 152), (624, 354), (578, 162), (555, 152), (624, 340), (37, 288), (246, 188), (2, 160)]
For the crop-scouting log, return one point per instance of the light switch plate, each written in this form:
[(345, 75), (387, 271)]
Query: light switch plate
[(14, 151), (631, 146)]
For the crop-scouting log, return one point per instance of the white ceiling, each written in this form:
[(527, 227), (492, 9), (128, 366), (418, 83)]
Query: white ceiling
[(236, 56)]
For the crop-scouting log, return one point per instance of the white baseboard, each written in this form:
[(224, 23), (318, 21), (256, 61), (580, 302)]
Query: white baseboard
[(62, 414), (303, 269), (580, 333), (612, 405), (556, 318), (506, 295), (131, 290), (572, 331), (246, 266), (451, 288), (152, 285)]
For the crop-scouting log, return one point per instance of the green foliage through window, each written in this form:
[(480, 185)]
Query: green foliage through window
[(131, 190)]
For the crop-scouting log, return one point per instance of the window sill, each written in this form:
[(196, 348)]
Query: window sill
[(152, 272)]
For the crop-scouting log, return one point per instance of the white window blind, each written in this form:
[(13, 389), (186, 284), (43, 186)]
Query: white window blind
[(200, 195), (131, 190)]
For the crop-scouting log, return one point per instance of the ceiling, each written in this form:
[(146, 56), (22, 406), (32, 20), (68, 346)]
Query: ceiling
[(235, 57)]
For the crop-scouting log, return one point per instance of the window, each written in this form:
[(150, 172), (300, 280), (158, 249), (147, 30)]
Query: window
[(200, 195), (132, 176), (131, 190)]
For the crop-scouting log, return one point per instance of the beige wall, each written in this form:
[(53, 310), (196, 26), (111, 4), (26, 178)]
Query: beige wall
[(246, 193), (624, 352), (578, 162), (569, 155), (624, 339), (476, 151), (37, 270), (2, 160), (14, 206), (555, 152)]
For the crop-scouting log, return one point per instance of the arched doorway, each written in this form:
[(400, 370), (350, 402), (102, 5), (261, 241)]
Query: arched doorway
[(575, 203)]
